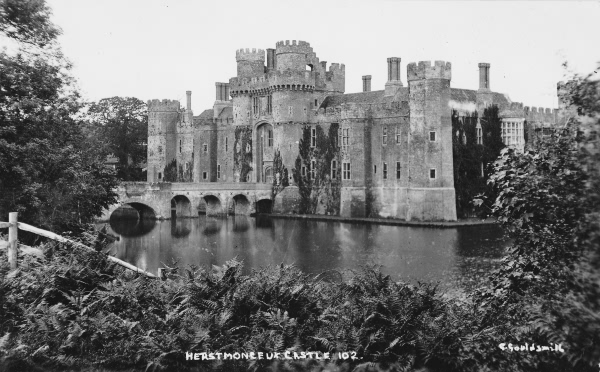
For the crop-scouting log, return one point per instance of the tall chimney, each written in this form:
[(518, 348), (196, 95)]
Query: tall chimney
[(484, 76), (366, 83), (270, 59), (226, 97), (394, 83), (189, 99), (218, 89)]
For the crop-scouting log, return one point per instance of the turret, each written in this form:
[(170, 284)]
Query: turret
[(292, 56), (163, 117), (430, 168), (250, 62)]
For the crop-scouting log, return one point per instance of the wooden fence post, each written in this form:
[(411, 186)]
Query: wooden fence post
[(12, 240)]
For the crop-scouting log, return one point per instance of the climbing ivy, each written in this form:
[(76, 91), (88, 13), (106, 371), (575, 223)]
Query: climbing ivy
[(170, 172), (469, 156), (280, 175), (242, 154), (177, 173), (316, 186)]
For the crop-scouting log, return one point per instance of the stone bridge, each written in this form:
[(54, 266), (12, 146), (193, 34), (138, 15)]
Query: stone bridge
[(164, 200)]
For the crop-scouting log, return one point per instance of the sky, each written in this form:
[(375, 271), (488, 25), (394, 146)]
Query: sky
[(161, 48)]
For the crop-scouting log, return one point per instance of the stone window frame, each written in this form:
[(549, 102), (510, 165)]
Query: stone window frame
[(313, 167), (255, 104), (345, 137), (269, 137), (205, 147), (398, 169), (226, 143), (204, 175), (385, 171), (384, 135), (479, 134), (374, 168), (398, 137), (180, 145), (434, 136), (313, 137), (269, 103), (303, 171), (219, 171), (346, 171), (434, 173)]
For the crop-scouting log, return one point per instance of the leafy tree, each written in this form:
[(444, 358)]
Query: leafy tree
[(47, 172), (121, 125), (280, 176)]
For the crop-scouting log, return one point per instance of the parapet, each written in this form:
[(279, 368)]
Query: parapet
[(164, 105), (250, 55), (424, 70), (300, 47), (337, 67)]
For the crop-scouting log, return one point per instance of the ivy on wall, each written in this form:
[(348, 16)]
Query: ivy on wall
[(280, 175), (471, 158), (316, 185), (242, 152), (178, 172)]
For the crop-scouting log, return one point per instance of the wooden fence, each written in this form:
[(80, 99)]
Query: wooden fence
[(14, 226)]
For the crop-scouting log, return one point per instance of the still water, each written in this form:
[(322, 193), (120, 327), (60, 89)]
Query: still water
[(453, 256)]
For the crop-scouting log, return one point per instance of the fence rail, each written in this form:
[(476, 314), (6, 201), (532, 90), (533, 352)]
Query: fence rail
[(13, 227)]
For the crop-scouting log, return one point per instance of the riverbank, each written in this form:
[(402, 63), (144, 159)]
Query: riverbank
[(386, 221)]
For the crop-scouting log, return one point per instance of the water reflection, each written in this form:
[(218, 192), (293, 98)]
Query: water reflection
[(408, 253)]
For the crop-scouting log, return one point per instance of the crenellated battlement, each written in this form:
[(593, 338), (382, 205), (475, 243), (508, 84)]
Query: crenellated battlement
[(164, 105), (248, 54), (425, 70), (334, 67), (300, 47)]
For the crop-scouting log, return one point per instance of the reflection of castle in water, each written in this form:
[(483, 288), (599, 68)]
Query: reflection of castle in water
[(180, 228)]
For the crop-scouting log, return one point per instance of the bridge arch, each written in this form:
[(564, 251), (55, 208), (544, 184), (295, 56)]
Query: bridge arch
[(214, 207), (181, 206), (141, 219), (264, 206), (241, 205), (133, 210)]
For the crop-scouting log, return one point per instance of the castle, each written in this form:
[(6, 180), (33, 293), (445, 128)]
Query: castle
[(384, 153)]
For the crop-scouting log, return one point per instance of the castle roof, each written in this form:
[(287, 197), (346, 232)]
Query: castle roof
[(227, 112), (468, 95), (204, 116), (377, 96)]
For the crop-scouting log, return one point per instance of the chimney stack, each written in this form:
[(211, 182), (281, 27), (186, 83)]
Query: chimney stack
[(189, 100), (270, 59), (366, 83), (222, 90), (484, 77), (394, 83)]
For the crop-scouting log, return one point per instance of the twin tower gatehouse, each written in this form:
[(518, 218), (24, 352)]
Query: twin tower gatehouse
[(285, 120)]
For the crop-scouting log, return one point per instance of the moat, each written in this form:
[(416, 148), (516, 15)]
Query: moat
[(455, 257)]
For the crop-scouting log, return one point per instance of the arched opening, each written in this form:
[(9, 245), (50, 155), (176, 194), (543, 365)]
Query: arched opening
[(181, 207), (264, 150), (213, 205), (264, 206), (133, 219), (241, 205)]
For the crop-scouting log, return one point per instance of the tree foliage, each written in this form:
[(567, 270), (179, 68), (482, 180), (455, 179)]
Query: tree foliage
[(120, 125), (27, 21), (47, 172)]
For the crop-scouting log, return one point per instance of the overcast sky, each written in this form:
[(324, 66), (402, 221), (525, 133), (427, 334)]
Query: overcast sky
[(161, 48)]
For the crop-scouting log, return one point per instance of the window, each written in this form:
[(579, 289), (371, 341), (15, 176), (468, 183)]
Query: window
[(335, 135), (346, 170), (482, 173), (303, 171), (226, 144), (159, 176), (205, 147), (385, 171), (432, 173), (313, 137), (479, 136), (270, 137), (397, 170), (384, 136), (290, 110), (316, 103), (345, 137), (219, 171), (374, 169), (269, 103), (180, 145), (204, 175), (334, 169), (512, 133), (432, 136), (255, 104), (313, 167), (397, 136)]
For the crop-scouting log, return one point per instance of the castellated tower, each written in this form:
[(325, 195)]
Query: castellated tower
[(431, 176), (163, 119)]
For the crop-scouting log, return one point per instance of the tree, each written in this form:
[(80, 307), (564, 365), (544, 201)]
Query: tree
[(280, 176), (47, 172), (120, 124)]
